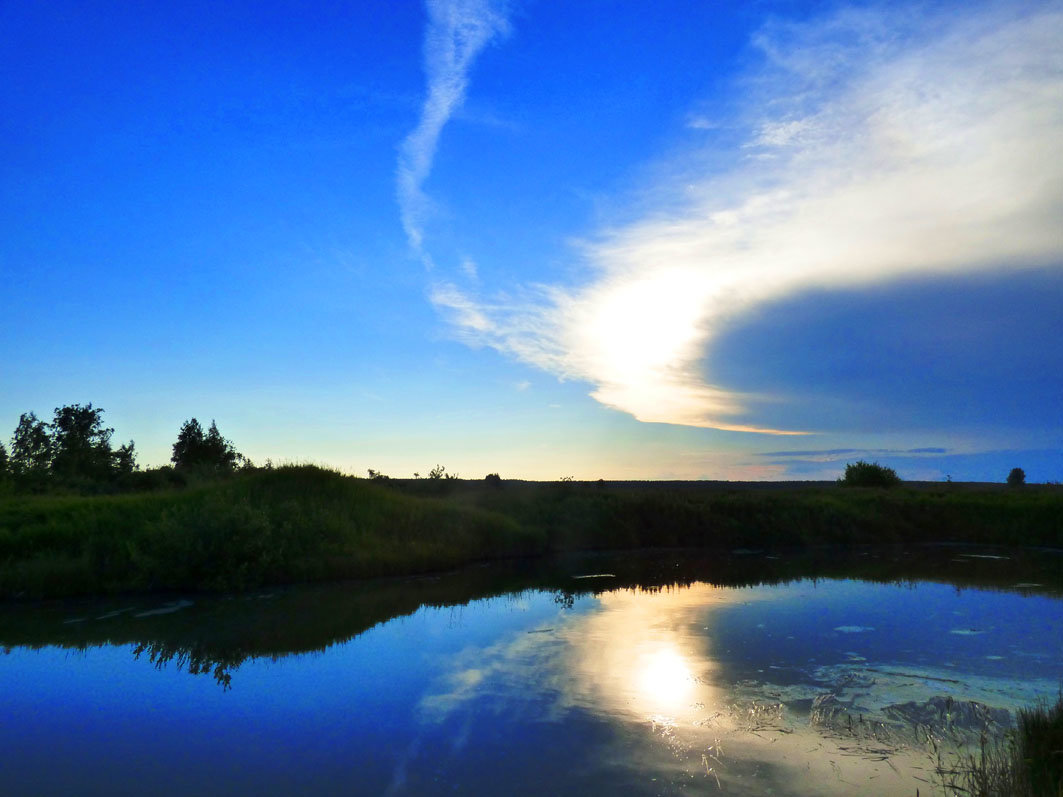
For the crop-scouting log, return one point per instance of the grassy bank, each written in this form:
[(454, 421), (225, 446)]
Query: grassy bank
[(1028, 763), (283, 525), (306, 524)]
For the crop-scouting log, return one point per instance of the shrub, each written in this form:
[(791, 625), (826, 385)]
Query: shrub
[(869, 474)]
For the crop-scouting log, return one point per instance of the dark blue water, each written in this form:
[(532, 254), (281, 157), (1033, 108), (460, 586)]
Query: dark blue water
[(622, 691)]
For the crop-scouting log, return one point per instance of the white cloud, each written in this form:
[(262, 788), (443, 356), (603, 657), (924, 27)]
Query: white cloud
[(468, 268), (699, 122), (883, 144), (457, 31), (464, 311)]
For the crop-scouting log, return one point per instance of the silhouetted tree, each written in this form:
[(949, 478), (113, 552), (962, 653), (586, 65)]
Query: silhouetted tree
[(869, 474), (220, 452), (1017, 477), (81, 444), (125, 459), (31, 447), (493, 480), (196, 450), (3, 462)]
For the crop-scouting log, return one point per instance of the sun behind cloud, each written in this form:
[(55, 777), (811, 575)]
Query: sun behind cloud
[(882, 144)]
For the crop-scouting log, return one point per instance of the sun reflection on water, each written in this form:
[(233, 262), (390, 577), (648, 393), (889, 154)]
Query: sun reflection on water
[(645, 655), (664, 680)]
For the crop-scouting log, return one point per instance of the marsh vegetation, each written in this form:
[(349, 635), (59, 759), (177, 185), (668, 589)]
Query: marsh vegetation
[(79, 519)]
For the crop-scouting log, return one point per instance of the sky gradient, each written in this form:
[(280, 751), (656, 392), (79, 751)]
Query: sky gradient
[(600, 239)]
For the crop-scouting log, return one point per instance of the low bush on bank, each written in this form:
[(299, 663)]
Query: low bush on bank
[(869, 474)]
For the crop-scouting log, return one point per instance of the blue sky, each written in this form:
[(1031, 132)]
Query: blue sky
[(597, 239)]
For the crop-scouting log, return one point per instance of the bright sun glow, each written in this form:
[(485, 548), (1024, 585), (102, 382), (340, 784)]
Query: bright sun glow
[(664, 680), (888, 148)]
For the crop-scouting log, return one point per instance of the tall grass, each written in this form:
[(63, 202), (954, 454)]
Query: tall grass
[(300, 523), (289, 524), (1028, 763)]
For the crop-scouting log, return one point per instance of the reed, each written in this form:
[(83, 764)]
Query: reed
[(1026, 763)]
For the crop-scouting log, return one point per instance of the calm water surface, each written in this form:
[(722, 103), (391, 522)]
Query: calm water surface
[(588, 682)]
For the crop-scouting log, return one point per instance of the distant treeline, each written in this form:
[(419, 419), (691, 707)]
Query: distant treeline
[(75, 453)]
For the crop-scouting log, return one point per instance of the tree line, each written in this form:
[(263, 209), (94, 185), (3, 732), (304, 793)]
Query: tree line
[(75, 450)]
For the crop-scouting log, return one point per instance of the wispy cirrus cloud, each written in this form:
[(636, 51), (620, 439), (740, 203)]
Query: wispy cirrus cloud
[(833, 452), (457, 31), (836, 454), (883, 143)]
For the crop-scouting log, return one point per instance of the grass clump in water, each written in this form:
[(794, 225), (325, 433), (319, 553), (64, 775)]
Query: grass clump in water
[(1027, 763)]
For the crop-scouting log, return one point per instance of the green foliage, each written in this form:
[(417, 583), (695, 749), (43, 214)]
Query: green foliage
[(1017, 477), (31, 448), (304, 523), (282, 525), (81, 444), (1040, 748), (125, 459), (73, 452), (3, 462), (201, 452), (869, 474)]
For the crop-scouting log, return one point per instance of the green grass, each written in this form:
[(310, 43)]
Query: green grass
[(302, 523), (283, 525)]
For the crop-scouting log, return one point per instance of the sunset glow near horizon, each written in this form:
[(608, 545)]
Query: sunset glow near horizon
[(599, 240)]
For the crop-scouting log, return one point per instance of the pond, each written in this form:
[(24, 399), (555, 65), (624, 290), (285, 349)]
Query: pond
[(822, 673)]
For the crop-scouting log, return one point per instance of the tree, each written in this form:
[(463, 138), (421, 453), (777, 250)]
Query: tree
[(1017, 477), (221, 453), (187, 450), (125, 459), (3, 462), (869, 474), (31, 447), (81, 444), (196, 450)]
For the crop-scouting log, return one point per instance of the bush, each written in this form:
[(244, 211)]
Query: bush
[(1017, 477), (869, 474)]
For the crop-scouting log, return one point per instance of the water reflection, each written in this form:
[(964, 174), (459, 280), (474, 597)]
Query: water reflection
[(757, 675), (633, 656), (663, 680)]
